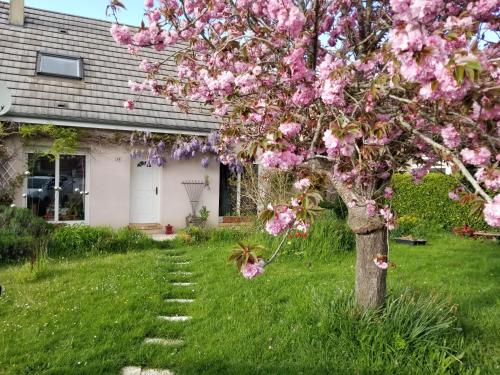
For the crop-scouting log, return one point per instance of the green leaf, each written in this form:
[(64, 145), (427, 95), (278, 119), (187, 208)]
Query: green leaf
[(459, 74)]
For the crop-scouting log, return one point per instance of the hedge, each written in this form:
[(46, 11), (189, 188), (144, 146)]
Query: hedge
[(429, 201)]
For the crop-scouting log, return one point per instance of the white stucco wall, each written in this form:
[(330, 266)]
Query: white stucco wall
[(175, 204), (109, 186)]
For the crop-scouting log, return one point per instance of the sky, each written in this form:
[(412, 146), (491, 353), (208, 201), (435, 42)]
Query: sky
[(92, 8)]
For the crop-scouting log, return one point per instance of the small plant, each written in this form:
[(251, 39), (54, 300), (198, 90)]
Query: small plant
[(204, 214)]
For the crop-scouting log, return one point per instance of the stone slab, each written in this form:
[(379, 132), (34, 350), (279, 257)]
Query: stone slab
[(175, 318), (160, 341)]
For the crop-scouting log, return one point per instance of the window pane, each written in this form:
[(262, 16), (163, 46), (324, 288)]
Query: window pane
[(41, 181), (59, 66), (72, 184)]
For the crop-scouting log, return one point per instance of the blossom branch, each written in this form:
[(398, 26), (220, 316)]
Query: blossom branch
[(278, 249)]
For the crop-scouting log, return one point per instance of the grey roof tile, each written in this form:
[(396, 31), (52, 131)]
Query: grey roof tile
[(107, 69)]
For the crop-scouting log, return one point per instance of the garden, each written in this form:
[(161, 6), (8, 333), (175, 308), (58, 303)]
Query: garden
[(81, 300)]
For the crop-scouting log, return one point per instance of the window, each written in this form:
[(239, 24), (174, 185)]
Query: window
[(56, 187), (60, 66)]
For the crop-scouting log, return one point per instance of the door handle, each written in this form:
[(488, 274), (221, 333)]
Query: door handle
[(156, 190)]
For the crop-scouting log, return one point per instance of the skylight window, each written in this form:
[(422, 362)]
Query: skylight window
[(59, 66)]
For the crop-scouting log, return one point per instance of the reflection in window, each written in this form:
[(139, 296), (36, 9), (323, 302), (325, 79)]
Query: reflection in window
[(72, 184), (41, 182)]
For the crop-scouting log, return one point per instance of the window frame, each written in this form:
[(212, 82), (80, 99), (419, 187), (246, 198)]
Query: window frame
[(86, 154), (38, 70)]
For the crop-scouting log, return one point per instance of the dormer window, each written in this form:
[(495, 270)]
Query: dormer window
[(59, 66)]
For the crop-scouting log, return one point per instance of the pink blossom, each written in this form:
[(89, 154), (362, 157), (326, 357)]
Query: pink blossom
[(381, 264), (303, 96), (371, 208), (283, 160), (246, 82), (492, 212), (296, 62), (135, 86), (290, 129), (149, 3), (295, 202), (282, 219), (129, 104), (142, 38), (388, 216), (331, 141), (147, 66), (479, 156), (351, 204), (301, 226), (451, 138), (453, 195), (251, 270), (302, 184), (333, 92), (121, 34), (490, 177), (388, 193)]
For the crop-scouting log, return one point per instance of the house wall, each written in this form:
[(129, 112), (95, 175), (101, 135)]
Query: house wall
[(109, 171), (175, 204), (109, 186)]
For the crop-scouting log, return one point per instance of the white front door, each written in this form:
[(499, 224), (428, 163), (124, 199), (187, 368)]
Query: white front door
[(144, 193)]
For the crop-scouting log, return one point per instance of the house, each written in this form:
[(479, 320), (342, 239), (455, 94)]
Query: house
[(66, 70)]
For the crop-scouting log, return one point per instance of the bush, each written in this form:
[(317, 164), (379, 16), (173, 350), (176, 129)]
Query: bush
[(15, 248), (22, 235), (193, 234), (81, 240), (429, 202), (415, 227)]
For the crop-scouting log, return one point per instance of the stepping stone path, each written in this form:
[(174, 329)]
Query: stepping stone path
[(133, 370), (130, 370), (179, 300), (160, 341), (175, 318), (183, 284)]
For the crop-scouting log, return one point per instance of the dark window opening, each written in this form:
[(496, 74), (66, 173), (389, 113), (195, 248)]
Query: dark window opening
[(59, 66)]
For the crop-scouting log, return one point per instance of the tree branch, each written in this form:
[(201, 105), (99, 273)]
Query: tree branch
[(454, 158)]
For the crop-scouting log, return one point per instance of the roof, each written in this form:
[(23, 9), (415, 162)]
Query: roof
[(98, 98)]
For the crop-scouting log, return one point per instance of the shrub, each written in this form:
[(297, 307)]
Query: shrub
[(15, 248), (193, 234), (429, 201), (81, 240), (22, 235)]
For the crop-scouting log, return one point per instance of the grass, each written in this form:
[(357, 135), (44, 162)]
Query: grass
[(90, 316)]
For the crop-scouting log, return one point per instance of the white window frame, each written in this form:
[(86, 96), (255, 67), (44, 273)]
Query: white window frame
[(86, 198)]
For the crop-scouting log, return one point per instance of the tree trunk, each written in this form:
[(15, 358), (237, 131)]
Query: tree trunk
[(371, 241), (370, 280)]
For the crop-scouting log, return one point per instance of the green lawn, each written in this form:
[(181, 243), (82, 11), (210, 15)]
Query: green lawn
[(90, 316)]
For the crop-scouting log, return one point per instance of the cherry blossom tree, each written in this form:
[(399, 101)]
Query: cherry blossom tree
[(349, 90)]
